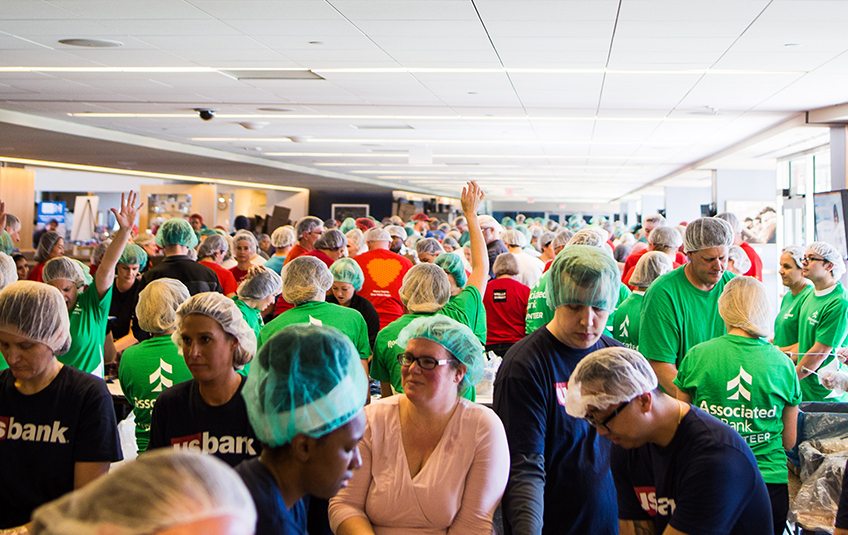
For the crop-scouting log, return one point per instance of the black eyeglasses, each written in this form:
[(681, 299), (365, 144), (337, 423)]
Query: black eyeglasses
[(425, 363), (808, 259), (603, 423)]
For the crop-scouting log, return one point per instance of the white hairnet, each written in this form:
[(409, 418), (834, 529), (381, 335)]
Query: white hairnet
[(246, 235), (829, 253), (304, 279), (158, 303), (730, 218), (212, 245), (608, 377), (706, 233), (306, 379), (225, 311), (665, 239), (355, 237), (487, 221), (744, 304), (546, 238), (588, 236), (429, 246), (282, 237), (259, 284), (515, 238), (797, 254), (332, 239), (38, 312), (396, 231), (741, 262), (505, 264), (562, 238), (48, 240), (159, 490), (66, 268), (651, 266), (376, 234), (8, 270), (99, 251), (425, 288)]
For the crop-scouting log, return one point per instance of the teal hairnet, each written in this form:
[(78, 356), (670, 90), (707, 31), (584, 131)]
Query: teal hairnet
[(583, 275), (347, 270), (306, 379), (455, 337), (133, 255), (6, 244), (176, 231), (348, 224), (66, 268), (452, 264)]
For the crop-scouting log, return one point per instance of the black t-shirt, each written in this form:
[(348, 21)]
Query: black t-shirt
[(182, 420), (272, 516), (529, 397), (705, 481), (842, 512), (369, 314), (122, 309), (42, 435)]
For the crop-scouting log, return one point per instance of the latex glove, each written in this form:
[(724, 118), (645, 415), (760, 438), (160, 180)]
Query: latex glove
[(842, 354), (834, 380)]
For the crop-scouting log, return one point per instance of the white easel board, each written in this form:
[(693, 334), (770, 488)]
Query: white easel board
[(85, 218)]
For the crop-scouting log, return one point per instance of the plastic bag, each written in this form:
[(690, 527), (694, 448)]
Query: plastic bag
[(815, 505), (490, 370)]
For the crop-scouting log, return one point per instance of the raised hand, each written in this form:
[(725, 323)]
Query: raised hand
[(2, 216), (126, 216), (472, 196)]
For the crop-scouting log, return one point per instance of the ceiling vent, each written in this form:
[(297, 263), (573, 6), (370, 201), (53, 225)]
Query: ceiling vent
[(271, 75)]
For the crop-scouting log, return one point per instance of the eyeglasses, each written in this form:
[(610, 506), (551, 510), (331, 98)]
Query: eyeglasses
[(603, 423), (808, 259), (425, 363)]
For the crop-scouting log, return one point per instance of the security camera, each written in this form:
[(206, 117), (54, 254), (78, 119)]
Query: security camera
[(205, 114)]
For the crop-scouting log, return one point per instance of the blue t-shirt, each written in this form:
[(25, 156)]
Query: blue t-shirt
[(529, 397), (705, 481), (272, 517), (275, 263)]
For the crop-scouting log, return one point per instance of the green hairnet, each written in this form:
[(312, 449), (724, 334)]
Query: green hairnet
[(306, 379), (347, 270), (133, 255), (176, 231), (452, 264), (348, 224), (6, 244), (583, 275), (207, 232), (455, 337)]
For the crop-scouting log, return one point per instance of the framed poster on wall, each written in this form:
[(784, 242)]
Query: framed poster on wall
[(340, 212), (830, 219), (758, 220)]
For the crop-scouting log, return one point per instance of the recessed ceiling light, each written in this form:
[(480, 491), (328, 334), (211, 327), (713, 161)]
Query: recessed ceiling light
[(91, 43)]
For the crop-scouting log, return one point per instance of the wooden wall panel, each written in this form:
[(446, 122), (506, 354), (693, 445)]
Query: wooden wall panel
[(17, 190)]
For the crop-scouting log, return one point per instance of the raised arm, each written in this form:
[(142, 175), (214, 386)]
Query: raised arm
[(472, 195), (105, 275)]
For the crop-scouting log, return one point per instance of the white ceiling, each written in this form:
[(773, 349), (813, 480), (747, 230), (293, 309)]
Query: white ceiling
[(571, 100)]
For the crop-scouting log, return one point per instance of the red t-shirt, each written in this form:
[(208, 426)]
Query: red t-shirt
[(295, 251), (756, 263), (225, 277), (383, 271), (506, 306), (238, 274), (281, 306), (633, 259), (35, 272), (320, 255)]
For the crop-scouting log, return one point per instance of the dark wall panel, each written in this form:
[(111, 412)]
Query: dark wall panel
[(320, 202)]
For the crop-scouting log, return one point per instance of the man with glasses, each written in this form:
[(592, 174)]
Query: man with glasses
[(680, 309), (307, 230), (677, 470), (823, 319), (559, 467)]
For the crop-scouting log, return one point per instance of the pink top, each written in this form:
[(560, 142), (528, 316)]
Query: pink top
[(456, 491)]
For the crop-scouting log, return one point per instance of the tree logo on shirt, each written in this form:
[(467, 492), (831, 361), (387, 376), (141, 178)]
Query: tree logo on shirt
[(158, 378), (739, 383), (624, 327), (315, 321)]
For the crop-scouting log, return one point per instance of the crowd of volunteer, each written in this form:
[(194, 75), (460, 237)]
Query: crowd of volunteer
[(329, 377)]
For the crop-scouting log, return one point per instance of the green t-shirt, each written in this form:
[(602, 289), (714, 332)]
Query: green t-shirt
[(385, 366), (786, 322), (625, 327), (146, 370), (467, 308), (539, 314), (253, 318), (3, 364), (745, 383), (823, 319), (88, 331), (679, 316), (347, 320)]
